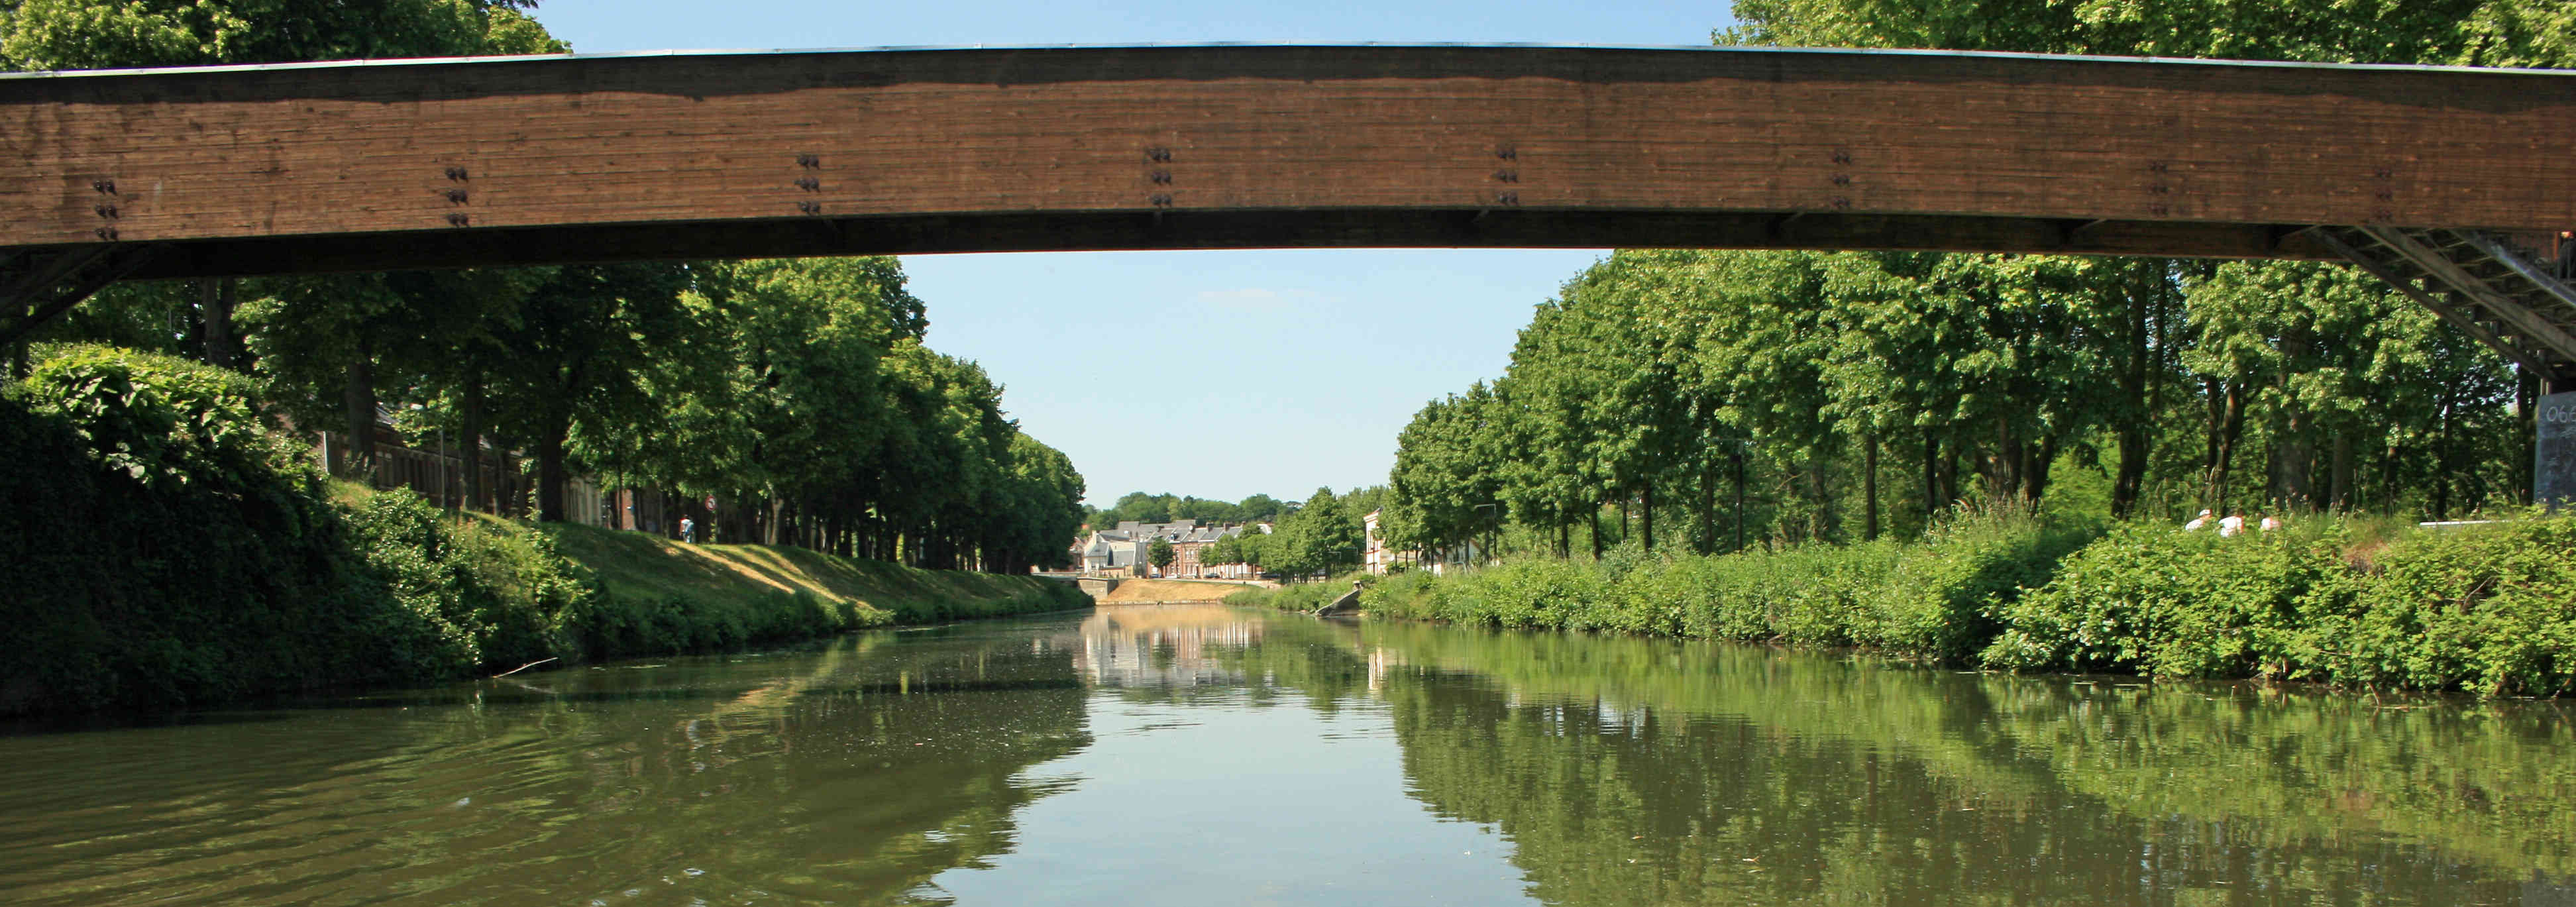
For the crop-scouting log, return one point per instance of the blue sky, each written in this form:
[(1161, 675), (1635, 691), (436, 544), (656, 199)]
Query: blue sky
[(1216, 374)]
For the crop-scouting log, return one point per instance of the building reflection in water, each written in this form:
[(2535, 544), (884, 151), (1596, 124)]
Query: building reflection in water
[(1165, 645)]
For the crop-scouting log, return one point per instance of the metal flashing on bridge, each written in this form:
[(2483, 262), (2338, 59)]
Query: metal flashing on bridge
[(1156, 45)]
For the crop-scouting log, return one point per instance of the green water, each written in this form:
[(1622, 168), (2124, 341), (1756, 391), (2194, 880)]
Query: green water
[(1181, 755)]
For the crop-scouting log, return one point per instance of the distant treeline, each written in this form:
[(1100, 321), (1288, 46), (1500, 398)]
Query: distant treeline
[(1140, 507)]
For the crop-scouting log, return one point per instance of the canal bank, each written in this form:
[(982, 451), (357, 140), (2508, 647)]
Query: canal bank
[(2487, 609), (170, 549)]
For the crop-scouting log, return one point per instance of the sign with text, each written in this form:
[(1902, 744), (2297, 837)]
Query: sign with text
[(2554, 464)]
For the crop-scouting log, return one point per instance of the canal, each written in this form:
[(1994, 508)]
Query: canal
[(1198, 755)]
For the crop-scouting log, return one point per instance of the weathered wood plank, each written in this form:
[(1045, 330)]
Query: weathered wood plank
[(1995, 151)]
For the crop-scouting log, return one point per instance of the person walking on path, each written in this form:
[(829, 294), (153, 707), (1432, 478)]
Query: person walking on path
[(688, 530)]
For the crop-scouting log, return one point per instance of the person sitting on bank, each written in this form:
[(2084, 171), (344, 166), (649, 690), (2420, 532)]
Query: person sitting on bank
[(2197, 522), (2270, 523), (2234, 524)]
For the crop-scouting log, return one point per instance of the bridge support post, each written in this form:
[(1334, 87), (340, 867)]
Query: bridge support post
[(2553, 471)]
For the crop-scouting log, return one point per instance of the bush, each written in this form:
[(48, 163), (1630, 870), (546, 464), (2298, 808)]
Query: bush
[(1925, 600), (2155, 601), (2489, 609), (1938, 599), (169, 551)]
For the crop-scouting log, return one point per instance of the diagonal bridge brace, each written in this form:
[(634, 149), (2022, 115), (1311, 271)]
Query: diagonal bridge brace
[(40, 286), (2477, 283)]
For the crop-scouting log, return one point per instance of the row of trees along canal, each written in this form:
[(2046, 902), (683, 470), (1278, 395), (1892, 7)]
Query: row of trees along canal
[(1795, 396), (801, 387)]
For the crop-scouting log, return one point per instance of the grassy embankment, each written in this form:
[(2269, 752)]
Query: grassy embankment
[(171, 551), (636, 566), (1151, 591), (636, 594), (2489, 609)]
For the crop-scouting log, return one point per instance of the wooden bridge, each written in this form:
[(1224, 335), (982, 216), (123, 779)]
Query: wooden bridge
[(2454, 184)]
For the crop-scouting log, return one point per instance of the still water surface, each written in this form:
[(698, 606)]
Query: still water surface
[(1199, 755)]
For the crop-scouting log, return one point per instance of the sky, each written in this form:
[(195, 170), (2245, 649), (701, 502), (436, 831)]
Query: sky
[(1218, 374)]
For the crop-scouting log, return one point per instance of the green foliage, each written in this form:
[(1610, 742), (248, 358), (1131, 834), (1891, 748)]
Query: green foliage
[(176, 553), (1140, 507), (478, 594), (1924, 600), (2485, 609), (171, 552), (2491, 609), (86, 34), (1322, 537), (2171, 604)]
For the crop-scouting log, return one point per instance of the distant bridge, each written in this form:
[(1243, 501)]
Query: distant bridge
[(2451, 183)]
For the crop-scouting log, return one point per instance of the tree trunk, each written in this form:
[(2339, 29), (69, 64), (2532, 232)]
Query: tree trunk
[(2339, 474), (1869, 487), (1594, 522), (216, 299), (1649, 516), (1825, 527), (2224, 438), (2135, 446), (358, 395), (550, 471), (472, 429), (1707, 541), (1932, 499), (1739, 501), (2034, 476)]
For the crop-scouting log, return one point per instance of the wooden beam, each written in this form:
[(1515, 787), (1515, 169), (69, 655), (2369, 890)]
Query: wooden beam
[(434, 163)]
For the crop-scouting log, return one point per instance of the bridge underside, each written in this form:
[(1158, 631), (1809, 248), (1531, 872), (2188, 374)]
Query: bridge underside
[(1212, 229)]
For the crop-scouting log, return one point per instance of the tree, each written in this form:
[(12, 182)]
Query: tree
[(83, 34), (581, 356), (1160, 554), (1320, 538), (336, 327)]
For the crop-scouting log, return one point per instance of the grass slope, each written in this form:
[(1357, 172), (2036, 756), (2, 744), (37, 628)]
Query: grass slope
[(642, 567)]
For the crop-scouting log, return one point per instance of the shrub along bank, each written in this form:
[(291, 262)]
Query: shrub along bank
[(2489, 609), (167, 551)]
